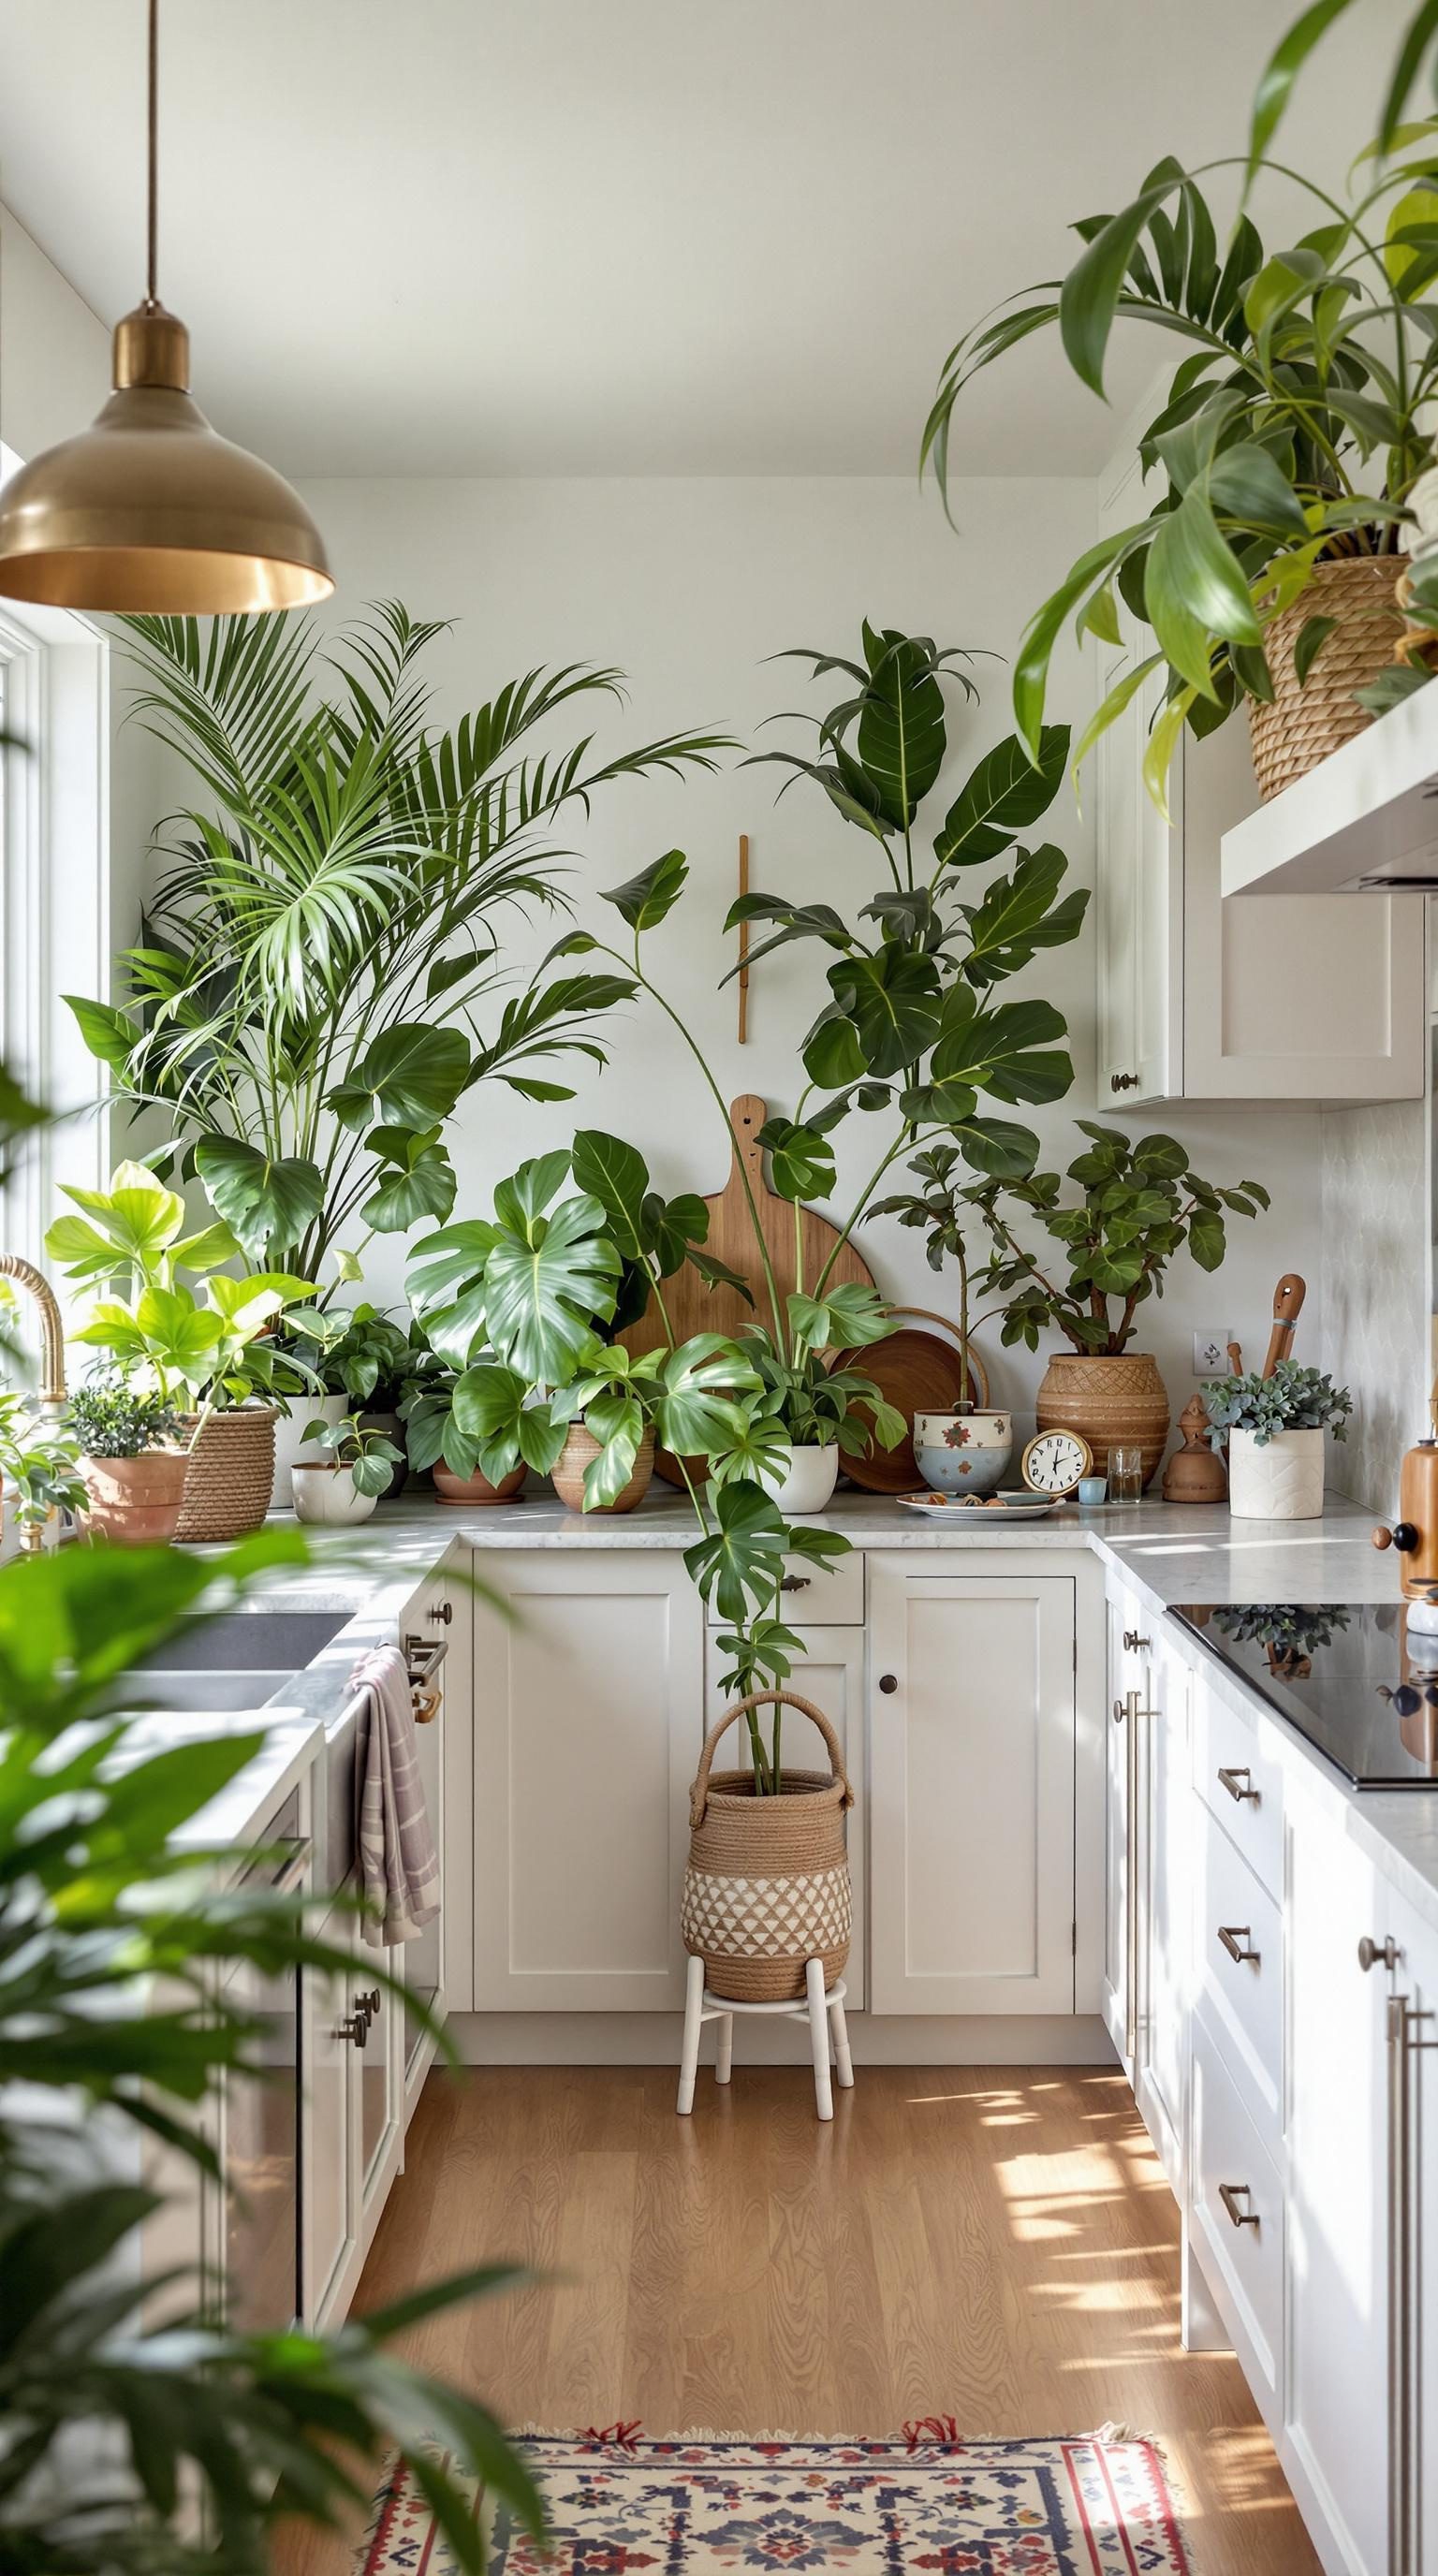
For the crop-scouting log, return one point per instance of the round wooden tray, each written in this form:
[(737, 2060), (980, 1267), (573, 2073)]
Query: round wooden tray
[(917, 1373)]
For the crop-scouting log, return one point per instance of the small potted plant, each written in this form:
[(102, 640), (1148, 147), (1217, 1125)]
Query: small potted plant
[(1274, 1427), (39, 1472), (1140, 1205), (362, 1360), (135, 1458), (345, 1486), (470, 1460), (824, 1413)]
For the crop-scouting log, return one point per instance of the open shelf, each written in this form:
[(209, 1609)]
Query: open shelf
[(1369, 812)]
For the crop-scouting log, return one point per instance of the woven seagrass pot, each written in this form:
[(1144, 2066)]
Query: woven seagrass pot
[(767, 1886), (567, 1473), (1304, 724), (1112, 1398), (231, 1473)]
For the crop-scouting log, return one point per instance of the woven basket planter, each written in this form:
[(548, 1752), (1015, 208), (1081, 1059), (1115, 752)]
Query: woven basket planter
[(231, 1473), (567, 1474), (767, 1886), (1112, 1399), (1304, 724)]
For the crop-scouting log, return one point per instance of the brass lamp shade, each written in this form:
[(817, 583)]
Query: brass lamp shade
[(149, 509)]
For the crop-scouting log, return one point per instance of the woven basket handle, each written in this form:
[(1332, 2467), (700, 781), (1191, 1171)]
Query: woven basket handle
[(699, 1794)]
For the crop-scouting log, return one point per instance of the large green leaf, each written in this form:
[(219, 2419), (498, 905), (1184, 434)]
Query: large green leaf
[(1019, 915), (801, 1159), (616, 1174), (546, 1288), (133, 1226), (442, 1265), (418, 1180), (998, 1147), (1089, 296), (1007, 791), (109, 1034), (1005, 1051), (270, 1201), (1031, 667), (411, 1076), (901, 736), (1195, 591), (696, 1414), (893, 1001), (644, 900), (742, 1560)]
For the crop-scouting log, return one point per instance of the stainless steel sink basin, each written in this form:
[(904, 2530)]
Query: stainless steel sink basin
[(273, 1643), (148, 1687)]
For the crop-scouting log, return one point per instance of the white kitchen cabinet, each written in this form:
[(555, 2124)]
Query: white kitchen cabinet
[(1147, 1842), (1418, 1979), (1120, 1980), (1257, 998), (442, 1615), (588, 1709), (353, 2135), (972, 1740), (829, 1671)]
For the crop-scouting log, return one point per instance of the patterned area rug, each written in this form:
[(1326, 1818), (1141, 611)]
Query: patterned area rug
[(1091, 2505)]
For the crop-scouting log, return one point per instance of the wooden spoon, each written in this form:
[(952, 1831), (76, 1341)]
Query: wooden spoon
[(1288, 1299)]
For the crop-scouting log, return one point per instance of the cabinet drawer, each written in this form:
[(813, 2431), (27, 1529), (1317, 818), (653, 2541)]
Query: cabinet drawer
[(1236, 2210), (1238, 1785), (816, 1596), (1232, 1912)]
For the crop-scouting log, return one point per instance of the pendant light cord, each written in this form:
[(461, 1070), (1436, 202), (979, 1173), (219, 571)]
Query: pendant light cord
[(152, 260)]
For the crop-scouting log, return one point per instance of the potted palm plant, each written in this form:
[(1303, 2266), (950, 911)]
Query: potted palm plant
[(1283, 454), (1140, 1204), (135, 1458)]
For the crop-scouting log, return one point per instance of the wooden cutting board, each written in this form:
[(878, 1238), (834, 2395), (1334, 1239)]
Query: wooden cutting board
[(693, 1306)]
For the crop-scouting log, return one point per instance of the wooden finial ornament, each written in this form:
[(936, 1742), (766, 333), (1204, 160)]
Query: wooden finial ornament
[(1195, 1473)]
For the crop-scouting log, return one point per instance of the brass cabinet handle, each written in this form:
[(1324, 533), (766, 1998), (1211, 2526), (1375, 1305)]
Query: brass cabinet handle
[(1231, 2193), (1231, 1779), (1123, 1082), (1236, 1939), (1134, 1644), (1378, 1954)]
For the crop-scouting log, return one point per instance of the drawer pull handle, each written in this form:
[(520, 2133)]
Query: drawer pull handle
[(796, 1583), (1378, 1954), (1231, 1780), (1231, 2193), (1236, 1939), (1134, 1644)]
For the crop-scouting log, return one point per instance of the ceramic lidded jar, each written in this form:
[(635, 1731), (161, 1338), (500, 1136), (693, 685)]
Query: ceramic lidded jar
[(965, 1452)]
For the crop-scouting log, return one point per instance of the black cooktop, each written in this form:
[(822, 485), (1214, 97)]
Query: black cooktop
[(1359, 1680)]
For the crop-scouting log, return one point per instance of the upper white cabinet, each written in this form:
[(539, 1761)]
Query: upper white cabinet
[(1257, 998), (588, 1704), (971, 1788)]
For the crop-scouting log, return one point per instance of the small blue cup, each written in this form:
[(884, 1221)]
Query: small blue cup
[(1092, 1490)]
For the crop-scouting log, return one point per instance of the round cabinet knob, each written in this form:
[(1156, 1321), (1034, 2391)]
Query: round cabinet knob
[(442, 1613), (368, 2004), (888, 1682), (1378, 1954), (1382, 1537), (1405, 1537), (1134, 1644), (1123, 1082)]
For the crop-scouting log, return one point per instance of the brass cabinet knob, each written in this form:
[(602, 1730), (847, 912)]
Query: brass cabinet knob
[(1378, 1954)]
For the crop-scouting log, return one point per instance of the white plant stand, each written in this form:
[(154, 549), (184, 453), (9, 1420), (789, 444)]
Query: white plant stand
[(824, 2013)]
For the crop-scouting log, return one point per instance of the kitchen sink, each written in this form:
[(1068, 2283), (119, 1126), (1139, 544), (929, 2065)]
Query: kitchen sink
[(268, 1644), (149, 1687)]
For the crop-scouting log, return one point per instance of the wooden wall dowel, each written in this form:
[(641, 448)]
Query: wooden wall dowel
[(743, 942)]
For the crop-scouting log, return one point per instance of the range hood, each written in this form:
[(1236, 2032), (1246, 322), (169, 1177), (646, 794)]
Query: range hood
[(1364, 821)]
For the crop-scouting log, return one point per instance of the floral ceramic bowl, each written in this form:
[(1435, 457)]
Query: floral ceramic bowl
[(963, 1453)]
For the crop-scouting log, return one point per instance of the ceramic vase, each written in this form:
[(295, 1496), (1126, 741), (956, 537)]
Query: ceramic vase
[(809, 1481), (328, 1497), (291, 1447), (1281, 1481), (1112, 1399), (964, 1452)]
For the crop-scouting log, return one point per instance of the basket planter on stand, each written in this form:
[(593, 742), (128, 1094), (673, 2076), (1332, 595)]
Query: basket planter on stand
[(1304, 723), (231, 1475), (767, 1885)]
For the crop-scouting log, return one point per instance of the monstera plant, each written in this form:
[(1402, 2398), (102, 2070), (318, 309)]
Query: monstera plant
[(320, 982)]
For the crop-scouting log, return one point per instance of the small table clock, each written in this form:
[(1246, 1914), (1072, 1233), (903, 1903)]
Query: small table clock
[(1054, 1461)]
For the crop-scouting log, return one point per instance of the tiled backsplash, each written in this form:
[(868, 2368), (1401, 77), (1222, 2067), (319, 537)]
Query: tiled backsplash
[(1375, 1296)]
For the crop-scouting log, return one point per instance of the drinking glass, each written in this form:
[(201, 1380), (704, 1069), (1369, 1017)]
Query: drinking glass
[(1125, 1473)]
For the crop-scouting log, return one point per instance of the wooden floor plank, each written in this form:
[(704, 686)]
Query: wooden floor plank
[(996, 2244)]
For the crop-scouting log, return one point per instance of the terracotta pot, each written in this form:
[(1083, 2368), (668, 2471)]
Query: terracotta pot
[(1302, 725), (1110, 1400), (476, 1488), (568, 1474), (232, 1472), (137, 1501)]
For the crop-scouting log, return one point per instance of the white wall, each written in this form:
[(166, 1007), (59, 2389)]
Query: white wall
[(688, 585)]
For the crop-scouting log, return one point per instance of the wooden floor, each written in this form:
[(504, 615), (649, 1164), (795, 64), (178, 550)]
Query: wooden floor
[(994, 2244)]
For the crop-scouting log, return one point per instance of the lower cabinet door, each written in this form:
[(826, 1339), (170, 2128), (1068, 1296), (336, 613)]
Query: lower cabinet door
[(971, 1795), (1165, 1911), (588, 1713), (329, 2202), (830, 1673), (1338, 2190)]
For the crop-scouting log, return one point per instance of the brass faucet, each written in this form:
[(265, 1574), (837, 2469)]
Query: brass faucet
[(52, 1330)]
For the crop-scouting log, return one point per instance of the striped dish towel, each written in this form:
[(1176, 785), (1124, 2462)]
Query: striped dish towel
[(398, 1865)]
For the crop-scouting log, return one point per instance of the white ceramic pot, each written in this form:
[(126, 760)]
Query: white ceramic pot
[(1282, 1481), (327, 1495), (810, 1482), (291, 1447), (963, 1453)]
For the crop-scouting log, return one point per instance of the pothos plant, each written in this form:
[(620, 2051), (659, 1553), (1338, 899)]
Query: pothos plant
[(321, 979), (1290, 435)]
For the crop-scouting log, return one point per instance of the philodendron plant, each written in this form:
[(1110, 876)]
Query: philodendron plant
[(1290, 434), (209, 1351), (1294, 1398)]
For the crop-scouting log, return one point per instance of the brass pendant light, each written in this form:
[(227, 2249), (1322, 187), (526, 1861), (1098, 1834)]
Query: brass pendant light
[(149, 508)]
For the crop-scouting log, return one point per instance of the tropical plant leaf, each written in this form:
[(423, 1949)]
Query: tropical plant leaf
[(268, 1200), (893, 1001), (644, 900), (901, 732), (801, 1159), (1007, 791)]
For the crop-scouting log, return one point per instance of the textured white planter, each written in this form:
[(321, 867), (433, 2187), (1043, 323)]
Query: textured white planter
[(1282, 1481), (291, 1449), (963, 1453), (327, 1495), (810, 1482)]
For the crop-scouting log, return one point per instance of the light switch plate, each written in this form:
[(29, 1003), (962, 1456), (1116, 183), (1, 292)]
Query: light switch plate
[(1210, 1352)]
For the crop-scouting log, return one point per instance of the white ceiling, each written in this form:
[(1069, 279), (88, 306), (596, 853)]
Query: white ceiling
[(628, 236)]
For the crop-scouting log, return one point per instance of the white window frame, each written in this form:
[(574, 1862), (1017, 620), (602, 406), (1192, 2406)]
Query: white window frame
[(54, 900)]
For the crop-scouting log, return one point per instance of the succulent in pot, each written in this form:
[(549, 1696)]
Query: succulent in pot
[(1274, 1428), (39, 1471), (345, 1486), (135, 1458)]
